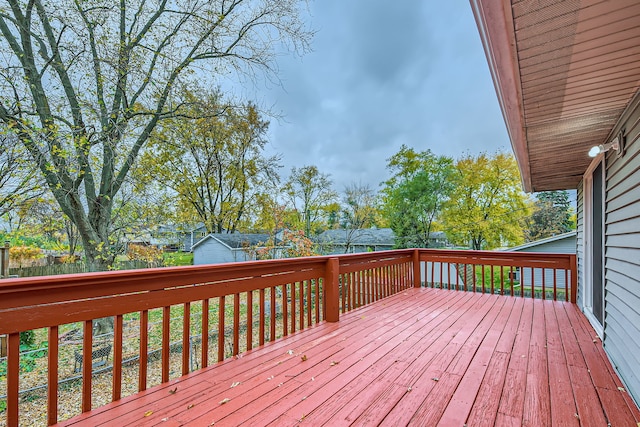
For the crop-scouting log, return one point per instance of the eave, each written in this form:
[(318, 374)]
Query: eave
[(564, 72)]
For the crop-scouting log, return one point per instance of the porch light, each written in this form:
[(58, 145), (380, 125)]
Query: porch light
[(603, 148)]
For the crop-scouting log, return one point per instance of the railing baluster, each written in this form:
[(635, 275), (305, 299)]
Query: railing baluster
[(221, 310), (301, 288), (502, 280), (13, 375), (52, 376), (262, 316), (285, 310), (272, 320), (533, 283), (249, 320), (118, 326), (87, 364), (318, 299), (236, 324), (293, 307), (204, 343), (491, 280), (309, 302), (166, 333), (186, 337), (142, 373), (544, 272), (555, 284)]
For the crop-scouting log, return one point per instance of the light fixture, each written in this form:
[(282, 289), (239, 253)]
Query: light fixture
[(603, 148)]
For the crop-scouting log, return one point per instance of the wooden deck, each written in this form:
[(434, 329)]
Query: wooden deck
[(421, 357)]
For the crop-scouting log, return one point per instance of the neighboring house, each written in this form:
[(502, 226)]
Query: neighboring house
[(567, 75), (192, 236), (219, 248), (342, 241), (562, 243)]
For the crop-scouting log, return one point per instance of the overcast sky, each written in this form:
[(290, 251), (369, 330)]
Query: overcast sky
[(382, 74)]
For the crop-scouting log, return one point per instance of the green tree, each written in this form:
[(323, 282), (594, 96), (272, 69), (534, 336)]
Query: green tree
[(309, 192), (487, 205), (83, 84), (214, 163), (551, 215), (359, 210), (415, 194)]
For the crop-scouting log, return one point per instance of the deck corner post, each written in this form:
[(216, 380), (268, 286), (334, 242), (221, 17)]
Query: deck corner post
[(416, 268), (331, 290), (573, 261)]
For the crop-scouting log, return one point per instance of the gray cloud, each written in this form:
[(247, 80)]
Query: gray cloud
[(383, 74)]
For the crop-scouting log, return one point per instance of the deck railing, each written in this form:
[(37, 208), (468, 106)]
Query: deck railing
[(166, 322)]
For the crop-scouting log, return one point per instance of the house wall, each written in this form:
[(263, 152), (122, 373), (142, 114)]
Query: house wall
[(565, 246), (580, 243), (213, 252), (622, 253)]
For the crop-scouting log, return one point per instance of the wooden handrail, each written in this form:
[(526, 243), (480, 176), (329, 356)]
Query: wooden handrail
[(306, 290)]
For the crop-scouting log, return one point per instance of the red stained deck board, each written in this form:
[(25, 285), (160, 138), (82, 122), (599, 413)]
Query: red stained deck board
[(462, 400), (358, 361), (536, 402), (512, 399), (472, 343), (404, 366), (563, 407), (285, 380), (455, 353), (360, 351)]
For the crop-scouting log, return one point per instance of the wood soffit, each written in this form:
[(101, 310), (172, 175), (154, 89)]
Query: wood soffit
[(564, 73)]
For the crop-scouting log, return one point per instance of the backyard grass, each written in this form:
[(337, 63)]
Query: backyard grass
[(174, 259)]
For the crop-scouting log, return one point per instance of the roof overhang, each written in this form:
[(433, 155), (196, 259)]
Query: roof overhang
[(564, 72)]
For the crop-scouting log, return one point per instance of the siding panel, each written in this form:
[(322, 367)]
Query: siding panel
[(580, 242), (622, 255)]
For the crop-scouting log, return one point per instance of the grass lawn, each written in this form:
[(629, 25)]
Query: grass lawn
[(172, 259)]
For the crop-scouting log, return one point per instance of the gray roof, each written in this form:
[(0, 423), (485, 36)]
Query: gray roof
[(569, 235), (237, 240), (366, 236)]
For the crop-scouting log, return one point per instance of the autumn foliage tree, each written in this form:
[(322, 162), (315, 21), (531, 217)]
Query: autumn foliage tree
[(310, 193), (213, 160), (83, 84), (487, 204), (551, 216)]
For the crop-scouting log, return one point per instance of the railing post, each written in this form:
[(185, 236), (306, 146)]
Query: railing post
[(331, 290), (573, 262), (417, 280)]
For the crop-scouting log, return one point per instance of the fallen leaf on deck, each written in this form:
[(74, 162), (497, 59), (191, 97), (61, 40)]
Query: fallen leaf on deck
[(333, 363), (270, 378), (303, 357), (409, 388), (223, 401), (304, 397), (236, 384), (165, 419), (435, 379), (290, 351), (313, 379), (622, 389), (148, 413), (173, 391), (191, 406)]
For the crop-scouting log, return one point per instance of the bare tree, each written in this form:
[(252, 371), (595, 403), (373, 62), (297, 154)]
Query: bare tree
[(358, 212), (18, 178), (84, 83), (309, 191)]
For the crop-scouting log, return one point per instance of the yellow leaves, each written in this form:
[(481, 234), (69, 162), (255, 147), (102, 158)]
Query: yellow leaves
[(191, 405), (334, 362), (235, 384), (225, 400), (303, 357), (622, 389), (148, 413)]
